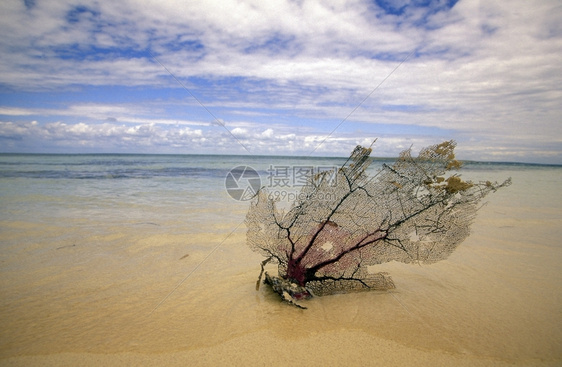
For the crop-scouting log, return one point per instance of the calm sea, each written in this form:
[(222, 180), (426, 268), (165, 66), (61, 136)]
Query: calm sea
[(131, 187), (165, 188), (32, 186)]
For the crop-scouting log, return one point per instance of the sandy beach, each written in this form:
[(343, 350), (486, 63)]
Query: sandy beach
[(151, 292)]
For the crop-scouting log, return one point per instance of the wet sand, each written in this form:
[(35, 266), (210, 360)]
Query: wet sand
[(124, 293)]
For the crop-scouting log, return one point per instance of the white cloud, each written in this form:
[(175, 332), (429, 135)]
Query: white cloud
[(162, 138), (123, 137)]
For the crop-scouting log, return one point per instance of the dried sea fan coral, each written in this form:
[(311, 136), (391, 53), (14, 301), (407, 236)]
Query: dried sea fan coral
[(412, 211)]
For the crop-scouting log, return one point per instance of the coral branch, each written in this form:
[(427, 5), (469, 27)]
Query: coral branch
[(413, 211)]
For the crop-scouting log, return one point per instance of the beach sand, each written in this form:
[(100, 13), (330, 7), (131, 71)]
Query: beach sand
[(118, 292)]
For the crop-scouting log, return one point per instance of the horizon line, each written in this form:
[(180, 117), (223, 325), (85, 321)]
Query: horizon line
[(269, 155)]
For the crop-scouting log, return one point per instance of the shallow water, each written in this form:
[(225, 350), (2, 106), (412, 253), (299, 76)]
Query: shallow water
[(153, 269)]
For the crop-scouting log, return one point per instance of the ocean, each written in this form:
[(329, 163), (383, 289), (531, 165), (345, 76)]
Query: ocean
[(141, 259)]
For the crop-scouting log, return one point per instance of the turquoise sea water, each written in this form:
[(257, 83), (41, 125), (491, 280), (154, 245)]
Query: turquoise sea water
[(196, 181), (139, 187), (136, 188)]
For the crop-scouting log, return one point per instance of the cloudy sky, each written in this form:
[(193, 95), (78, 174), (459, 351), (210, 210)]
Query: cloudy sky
[(282, 76)]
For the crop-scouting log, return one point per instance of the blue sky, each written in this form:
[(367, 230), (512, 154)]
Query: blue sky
[(282, 77)]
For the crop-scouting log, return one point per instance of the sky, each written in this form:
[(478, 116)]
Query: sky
[(283, 77)]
